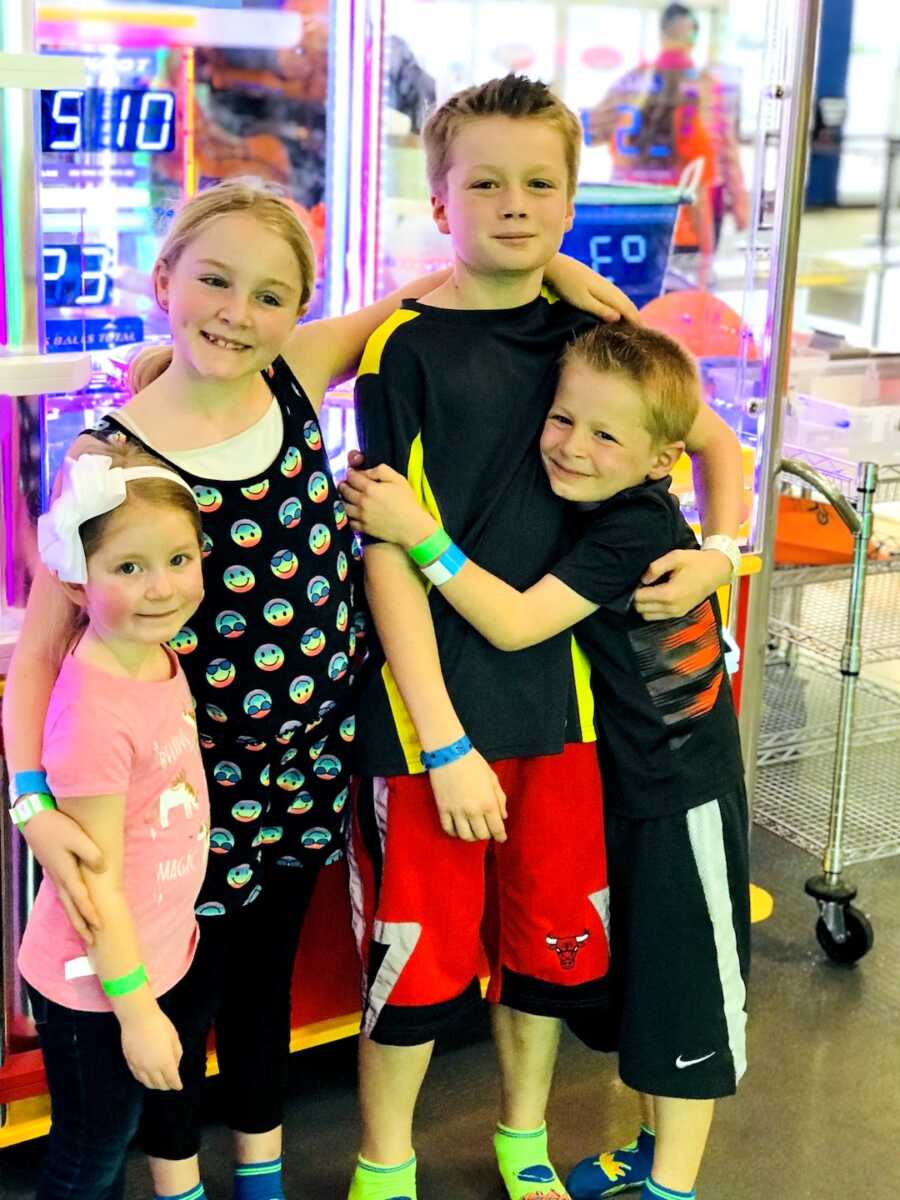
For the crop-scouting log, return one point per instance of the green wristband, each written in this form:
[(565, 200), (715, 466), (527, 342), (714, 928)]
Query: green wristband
[(29, 806), (424, 553), (126, 983)]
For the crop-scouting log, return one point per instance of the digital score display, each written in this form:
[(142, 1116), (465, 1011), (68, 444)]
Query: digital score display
[(79, 275), (118, 119), (628, 244)]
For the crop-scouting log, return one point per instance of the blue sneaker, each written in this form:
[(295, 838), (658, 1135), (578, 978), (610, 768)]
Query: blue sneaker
[(614, 1171)]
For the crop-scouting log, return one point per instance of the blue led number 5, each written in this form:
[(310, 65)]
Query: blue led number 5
[(61, 117)]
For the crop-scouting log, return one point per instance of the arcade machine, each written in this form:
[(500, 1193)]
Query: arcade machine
[(117, 146)]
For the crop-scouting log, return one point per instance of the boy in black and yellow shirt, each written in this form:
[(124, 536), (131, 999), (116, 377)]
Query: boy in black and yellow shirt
[(676, 817), (465, 749)]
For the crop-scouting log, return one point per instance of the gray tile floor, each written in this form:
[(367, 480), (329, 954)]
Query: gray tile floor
[(816, 1119)]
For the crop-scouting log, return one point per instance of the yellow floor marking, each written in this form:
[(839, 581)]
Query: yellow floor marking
[(761, 904)]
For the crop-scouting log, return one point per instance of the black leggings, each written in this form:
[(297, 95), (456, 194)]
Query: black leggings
[(241, 978)]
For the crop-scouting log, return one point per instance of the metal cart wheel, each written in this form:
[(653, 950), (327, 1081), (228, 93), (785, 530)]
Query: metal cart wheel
[(843, 932), (856, 942)]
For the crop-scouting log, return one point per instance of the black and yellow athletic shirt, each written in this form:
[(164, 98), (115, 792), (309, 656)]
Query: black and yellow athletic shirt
[(456, 400)]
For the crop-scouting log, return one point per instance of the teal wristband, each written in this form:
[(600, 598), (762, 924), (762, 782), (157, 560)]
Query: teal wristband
[(126, 983), (443, 569), (29, 806), (431, 548), (447, 754), (25, 782)]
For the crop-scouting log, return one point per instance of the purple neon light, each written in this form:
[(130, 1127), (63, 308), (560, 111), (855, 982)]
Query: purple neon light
[(4, 334)]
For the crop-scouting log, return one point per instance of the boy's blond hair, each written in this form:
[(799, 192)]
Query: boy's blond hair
[(512, 96), (665, 373)]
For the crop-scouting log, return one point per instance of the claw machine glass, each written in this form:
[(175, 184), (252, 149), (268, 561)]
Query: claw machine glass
[(695, 130)]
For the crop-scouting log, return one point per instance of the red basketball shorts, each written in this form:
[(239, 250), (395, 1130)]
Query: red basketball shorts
[(429, 909)]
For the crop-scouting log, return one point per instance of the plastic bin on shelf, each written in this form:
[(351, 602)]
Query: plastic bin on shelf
[(864, 433), (862, 381)]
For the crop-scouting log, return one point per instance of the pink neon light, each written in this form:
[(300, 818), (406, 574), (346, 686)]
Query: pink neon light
[(4, 335)]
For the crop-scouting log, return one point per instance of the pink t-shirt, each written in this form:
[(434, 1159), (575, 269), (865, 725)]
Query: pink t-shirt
[(110, 736)]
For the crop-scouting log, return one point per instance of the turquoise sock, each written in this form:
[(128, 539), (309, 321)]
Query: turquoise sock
[(194, 1193), (655, 1191), (258, 1181)]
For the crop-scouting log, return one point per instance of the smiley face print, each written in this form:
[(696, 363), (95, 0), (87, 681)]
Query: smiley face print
[(284, 564), (278, 612), (319, 538), (245, 533), (238, 578)]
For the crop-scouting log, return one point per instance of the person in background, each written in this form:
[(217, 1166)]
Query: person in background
[(663, 115)]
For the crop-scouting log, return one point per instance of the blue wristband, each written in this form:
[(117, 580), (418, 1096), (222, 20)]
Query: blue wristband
[(446, 754), (25, 782), (443, 569)]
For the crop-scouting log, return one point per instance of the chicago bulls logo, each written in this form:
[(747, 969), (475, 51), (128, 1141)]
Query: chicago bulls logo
[(567, 948)]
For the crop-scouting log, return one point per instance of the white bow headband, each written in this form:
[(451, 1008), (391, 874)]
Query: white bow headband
[(90, 486)]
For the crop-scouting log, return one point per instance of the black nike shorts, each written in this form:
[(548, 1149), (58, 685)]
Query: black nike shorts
[(680, 951)]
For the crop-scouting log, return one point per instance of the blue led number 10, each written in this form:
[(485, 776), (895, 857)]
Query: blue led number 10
[(632, 248), (162, 118)]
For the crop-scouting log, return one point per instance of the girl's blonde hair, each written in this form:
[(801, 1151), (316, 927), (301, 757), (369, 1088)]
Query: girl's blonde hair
[(161, 493), (269, 204)]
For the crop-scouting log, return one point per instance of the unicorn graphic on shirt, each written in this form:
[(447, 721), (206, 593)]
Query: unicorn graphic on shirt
[(178, 795)]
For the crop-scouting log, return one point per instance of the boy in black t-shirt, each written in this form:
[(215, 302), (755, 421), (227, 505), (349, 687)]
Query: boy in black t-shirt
[(667, 738)]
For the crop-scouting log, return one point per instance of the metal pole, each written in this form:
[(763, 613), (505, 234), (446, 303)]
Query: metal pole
[(851, 663), (794, 151), (887, 192)]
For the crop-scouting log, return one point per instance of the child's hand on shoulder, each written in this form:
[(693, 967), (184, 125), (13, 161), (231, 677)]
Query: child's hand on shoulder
[(381, 503), (585, 289), (152, 1049), (689, 576)]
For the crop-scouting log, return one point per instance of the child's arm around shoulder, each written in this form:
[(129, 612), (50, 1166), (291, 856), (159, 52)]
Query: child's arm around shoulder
[(57, 842), (328, 350), (381, 502), (719, 484), (149, 1041)]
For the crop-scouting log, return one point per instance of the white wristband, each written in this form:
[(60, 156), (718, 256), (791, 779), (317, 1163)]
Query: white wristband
[(727, 546)]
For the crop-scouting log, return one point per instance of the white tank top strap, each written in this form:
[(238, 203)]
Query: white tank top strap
[(247, 453)]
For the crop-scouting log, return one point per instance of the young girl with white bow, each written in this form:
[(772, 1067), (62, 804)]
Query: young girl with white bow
[(121, 755)]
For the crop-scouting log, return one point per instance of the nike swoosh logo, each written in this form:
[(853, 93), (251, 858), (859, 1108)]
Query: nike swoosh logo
[(681, 1063)]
